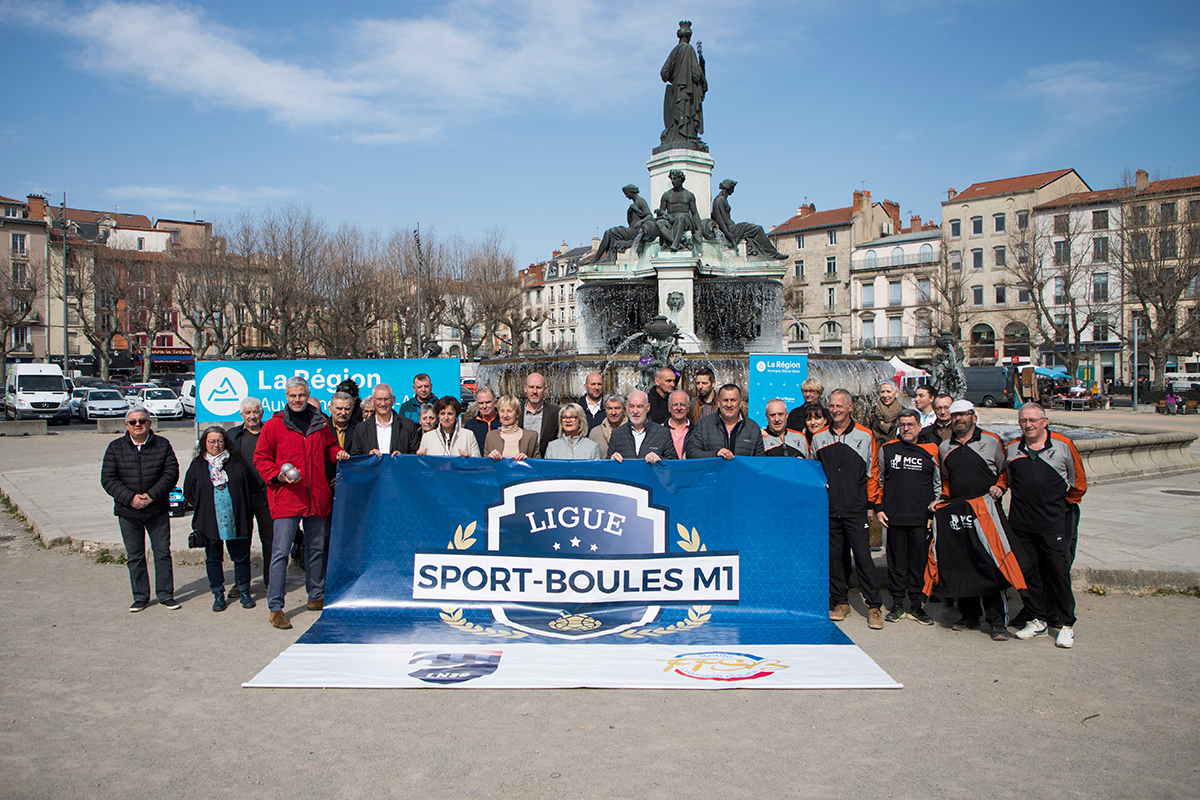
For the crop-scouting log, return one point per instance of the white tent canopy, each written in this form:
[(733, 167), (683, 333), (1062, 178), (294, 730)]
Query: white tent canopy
[(906, 370)]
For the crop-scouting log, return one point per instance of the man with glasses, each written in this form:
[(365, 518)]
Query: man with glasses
[(386, 433), (912, 482), (679, 423), (939, 430), (640, 437), (139, 471), (1047, 478)]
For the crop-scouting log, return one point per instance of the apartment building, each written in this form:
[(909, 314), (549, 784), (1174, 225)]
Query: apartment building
[(23, 244)]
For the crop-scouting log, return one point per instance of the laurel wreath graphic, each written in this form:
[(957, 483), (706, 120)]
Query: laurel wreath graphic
[(697, 615), (464, 540)]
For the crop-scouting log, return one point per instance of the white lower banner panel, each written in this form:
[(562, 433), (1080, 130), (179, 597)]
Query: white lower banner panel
[(546, 666)]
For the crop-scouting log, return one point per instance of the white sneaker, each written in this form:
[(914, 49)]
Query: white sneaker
[(1035, 627), (1066, 636)]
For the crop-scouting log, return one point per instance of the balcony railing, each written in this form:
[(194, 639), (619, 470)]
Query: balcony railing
[(883, 343), (885, 262)]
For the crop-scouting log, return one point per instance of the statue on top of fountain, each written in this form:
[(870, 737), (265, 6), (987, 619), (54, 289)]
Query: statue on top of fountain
[(683, 99), (640, 228), (677, 214), (757, 242)]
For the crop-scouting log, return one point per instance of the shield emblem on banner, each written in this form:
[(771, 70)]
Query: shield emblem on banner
[(585, 519)]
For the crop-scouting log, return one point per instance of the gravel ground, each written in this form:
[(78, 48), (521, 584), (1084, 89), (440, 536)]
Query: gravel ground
[(98, 702)]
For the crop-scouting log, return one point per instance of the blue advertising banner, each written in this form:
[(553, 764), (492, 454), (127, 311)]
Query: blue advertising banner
[(469, 572), (774, 376), (221, 386)]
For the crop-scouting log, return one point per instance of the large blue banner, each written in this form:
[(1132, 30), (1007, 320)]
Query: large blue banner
[(564, 572), (221, 386)]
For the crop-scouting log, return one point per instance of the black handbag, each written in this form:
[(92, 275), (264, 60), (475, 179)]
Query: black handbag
[(195, 539)]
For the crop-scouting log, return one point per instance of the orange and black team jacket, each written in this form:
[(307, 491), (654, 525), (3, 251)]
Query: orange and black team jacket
[(851, 462), (971, 468), (911, 479), (1043, 483)]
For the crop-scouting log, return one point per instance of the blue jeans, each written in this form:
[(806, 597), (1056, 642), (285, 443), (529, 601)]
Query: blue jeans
[(214, 562), (316, 540), (134, 533)]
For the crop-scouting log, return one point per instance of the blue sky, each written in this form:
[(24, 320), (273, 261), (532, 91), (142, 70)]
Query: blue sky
[(531, 115)]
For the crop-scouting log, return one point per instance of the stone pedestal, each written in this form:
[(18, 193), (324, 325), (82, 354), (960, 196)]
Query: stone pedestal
[(676, 276), (696, 166)]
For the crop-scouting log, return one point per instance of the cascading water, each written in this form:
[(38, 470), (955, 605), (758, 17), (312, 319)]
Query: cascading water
[(739, 315)]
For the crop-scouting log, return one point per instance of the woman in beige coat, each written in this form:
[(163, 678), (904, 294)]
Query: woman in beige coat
[(510, 441)]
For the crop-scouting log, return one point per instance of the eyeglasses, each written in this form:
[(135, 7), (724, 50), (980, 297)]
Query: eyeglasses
[(907, 425), (136, 422)]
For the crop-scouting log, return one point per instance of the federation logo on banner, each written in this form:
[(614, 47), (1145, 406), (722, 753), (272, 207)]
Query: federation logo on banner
[(449, 668), (576, 559), (720, 666)]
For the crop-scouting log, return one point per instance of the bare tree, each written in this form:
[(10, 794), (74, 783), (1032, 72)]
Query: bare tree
[(1053, 260), (95, 289), (405, 319), (348, 293), (1158, 253), (150, 300), (21, 282), (206, 289), (945, 303)]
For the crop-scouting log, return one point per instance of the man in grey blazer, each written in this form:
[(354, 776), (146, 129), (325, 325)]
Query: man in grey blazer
[(385, 432), (536, 414), (639, 437)]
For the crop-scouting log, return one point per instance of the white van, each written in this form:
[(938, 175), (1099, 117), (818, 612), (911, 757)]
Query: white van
[(37, 391), (187, 394)]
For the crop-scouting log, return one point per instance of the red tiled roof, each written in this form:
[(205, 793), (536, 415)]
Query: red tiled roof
[(818, 219), (1173, 185), (1023, 183), (4, 199), (119, 217), (1084, 199)]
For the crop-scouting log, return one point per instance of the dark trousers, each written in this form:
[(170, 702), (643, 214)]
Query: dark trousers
[(1072, 533), (239, 554), (316, 540), (1047, 570), (134, 533), (907, 555), (851, 532), (262, 516), (992, 607)]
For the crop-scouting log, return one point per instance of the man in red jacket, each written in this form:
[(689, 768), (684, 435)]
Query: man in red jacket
[(299, 435)]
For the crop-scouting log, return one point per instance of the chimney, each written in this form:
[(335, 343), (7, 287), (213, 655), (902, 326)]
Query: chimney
[(915, 223), (951, 193), (892, 209), (36, 206), (595, 243), (804, 211), (1141, 180)]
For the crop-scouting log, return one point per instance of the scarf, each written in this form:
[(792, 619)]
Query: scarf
[(887, 416), (216, 468)]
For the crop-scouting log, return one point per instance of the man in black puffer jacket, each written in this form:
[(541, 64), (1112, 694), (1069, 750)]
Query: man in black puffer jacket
[(139, 471)]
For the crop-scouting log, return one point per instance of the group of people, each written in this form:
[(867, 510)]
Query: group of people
[(906, 468)]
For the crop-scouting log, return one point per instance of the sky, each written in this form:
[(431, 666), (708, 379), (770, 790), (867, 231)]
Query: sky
[(530, 115)]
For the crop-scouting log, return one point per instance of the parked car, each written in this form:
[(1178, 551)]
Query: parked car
[(76, 397), (102, 404), (187, 394), (989, 386), (161, 403)]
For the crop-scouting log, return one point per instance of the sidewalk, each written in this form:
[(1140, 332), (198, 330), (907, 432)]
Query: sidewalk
[(1142, 534)]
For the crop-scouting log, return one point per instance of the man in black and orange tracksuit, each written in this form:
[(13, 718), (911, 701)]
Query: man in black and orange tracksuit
[(911, 480), (973, 466), (847, 452), (1047, 478)]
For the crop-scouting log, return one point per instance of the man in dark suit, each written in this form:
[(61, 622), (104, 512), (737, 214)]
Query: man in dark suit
[(536, 415), (639, 437), (593, 400), (386, 432)]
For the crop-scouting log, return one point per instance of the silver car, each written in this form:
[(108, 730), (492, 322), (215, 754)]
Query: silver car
[(102, 403)]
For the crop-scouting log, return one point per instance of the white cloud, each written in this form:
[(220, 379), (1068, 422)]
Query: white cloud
[(400, 78), (177, 198)]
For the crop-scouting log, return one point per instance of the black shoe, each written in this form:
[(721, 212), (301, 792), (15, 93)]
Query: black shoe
[(895, 614), (247, 600), (234, 592), (137, 606), (918, 613), (219, 601), (967, 624), (1000, 634), (170, 604)]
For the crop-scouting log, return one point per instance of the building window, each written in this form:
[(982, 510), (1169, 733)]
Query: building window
[(1100, 249), (18, 244), (868, 332), (894, 296), (871, 261), (800, 241), (1166, 212), (1062, 223), (1166, 243), (1022, 294), (1100, 287), (868, 295), (832, 237), (164, 341), (897, 256), (1100, 328), (955, 228), (956, 260), (831, 267), (141, 243), (977, 295), (977, 226), (831, 332), (1194, 243), (20, 338), (894, 330), (998, 220), (1139, 246), (1060, 295), (830, 298), (926, 253), (977, 258), (1099, 220), (174, 236), (1193, 212), (1140, 215), (1001, 294), (800, 268), (924, 290), (1062, 252), (1000, 255)]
